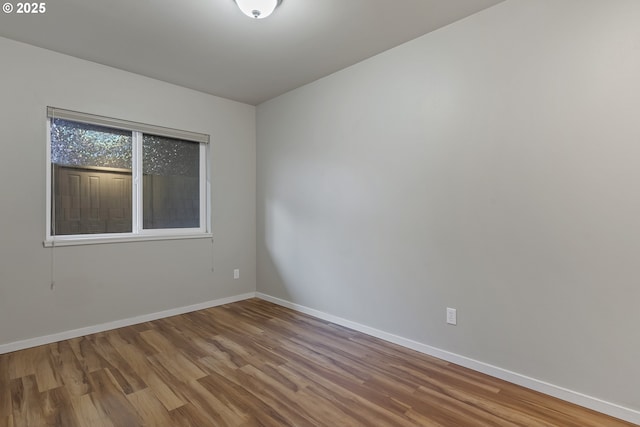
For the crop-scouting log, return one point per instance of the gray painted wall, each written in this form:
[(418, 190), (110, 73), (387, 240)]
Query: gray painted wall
[(102, 283), (491, 166)]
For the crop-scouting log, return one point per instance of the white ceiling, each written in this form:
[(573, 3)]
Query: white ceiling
[(210, 46)]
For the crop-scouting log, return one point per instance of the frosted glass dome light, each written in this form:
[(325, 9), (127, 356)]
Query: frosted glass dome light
[(258, 9)]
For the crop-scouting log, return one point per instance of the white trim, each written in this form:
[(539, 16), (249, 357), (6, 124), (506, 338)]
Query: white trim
[(120, 238), (203, 181), (49, 203), (75, 333), (575, 397), (137, 184)]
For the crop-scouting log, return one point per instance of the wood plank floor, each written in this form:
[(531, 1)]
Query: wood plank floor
[(253, 363)]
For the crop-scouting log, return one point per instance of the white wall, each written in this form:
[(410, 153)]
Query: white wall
[(104, 283), (492, 166)]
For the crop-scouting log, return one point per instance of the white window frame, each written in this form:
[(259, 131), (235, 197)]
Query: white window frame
[(138, 233)]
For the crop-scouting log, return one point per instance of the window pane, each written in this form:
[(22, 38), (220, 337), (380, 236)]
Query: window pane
[(171, 183), (79, 144), (91, 185)]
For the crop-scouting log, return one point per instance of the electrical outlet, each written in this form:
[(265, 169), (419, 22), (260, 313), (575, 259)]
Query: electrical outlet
[(236, 273), (452, 316)]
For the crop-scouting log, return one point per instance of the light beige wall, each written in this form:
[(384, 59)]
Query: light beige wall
[(102, 283), (492, 166)]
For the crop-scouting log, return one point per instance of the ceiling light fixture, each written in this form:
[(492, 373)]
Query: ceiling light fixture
[(258, 9)]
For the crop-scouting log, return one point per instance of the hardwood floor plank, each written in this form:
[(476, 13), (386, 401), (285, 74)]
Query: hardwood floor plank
[(245, 400), (282, 399), (328, 412), (444, 408), (87, 413), (23, 363), (149, 408), (5, 387), (217, 406), (343, 393), (281, 396), (135, 357), (87, 355), (130, 336), (424, 421), (188, 416), (253, 363), (110, 402), (46, 377), (192, 416), (180, 340), (58, 409), (178, 366), (156, 340), (128, 380), (26, 402), (235, 354), (69, 368)]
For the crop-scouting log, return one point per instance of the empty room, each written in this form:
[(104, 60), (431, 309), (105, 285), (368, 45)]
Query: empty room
[(320, 213)]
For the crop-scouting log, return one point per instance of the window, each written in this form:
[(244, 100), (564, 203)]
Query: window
[(115, 180)]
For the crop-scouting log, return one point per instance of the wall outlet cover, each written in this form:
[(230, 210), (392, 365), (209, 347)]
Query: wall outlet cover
[(452, 316)]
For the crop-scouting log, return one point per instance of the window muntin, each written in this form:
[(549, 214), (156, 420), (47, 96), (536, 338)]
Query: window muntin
[(106, 182)]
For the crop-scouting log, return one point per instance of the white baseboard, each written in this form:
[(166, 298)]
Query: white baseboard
[(75, 333), (590, 402)]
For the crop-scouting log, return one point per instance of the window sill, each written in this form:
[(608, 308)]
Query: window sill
[(90, 240)]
